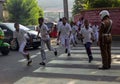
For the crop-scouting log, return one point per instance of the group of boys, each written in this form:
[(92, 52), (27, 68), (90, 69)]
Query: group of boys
[(67, 33)]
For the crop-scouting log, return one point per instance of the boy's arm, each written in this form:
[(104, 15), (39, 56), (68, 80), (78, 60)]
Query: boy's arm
[(38, 33), (59, 35), (70, 30)]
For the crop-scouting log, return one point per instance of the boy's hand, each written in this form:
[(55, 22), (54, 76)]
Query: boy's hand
[(92, 39)]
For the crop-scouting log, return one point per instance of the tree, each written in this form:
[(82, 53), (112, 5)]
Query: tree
[(25, 12), (104, 3), (78, 6), (89, 4)]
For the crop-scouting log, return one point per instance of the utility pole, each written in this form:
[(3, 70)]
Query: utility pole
[(65, 4)]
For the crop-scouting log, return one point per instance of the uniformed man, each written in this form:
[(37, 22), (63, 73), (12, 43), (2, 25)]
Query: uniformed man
[(105, 42)]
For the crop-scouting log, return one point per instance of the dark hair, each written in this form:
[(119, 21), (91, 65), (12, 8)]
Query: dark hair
[(64, 18), (82, 18), (41, 19), (86, 21), (60, 19)]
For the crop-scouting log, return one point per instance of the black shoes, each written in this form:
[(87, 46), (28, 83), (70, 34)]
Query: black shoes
[(76, 42), (66, 50), (42, 63), (69, 54), (74, 45), (29, 62), (55, 53), (90, 59), (104, 68)]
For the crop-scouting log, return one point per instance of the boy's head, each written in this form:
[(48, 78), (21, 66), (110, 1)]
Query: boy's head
[(64, 19), (40, 20), (86, 23), (16, 25)]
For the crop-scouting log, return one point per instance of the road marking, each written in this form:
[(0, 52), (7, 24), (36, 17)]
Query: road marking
[(32, 56), (22, 60), (77, 48), (70, 62), (95, 51), (76, 71), (78, 56), (40, 80)]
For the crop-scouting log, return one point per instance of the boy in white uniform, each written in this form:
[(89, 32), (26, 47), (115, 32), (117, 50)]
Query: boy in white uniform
[(45, 39), (87, 36), (95, 30), (80, 25), (20, 35), (74, 33), (64, 35), (59, 23)]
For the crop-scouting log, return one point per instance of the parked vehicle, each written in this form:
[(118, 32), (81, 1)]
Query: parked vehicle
[(4, 47), (8, 29), (50, 25), (52, 28), (33, 27)]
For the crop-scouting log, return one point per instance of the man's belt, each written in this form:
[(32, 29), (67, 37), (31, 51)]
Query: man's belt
[(106, 35)]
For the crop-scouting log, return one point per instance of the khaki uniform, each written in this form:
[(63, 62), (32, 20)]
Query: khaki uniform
[(104, 46)]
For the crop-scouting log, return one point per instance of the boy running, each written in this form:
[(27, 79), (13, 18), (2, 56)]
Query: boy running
[(21, 35), (65, 34), (87, 36), (45, 39)]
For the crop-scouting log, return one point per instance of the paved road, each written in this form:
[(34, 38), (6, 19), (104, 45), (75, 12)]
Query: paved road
[(61, 69)]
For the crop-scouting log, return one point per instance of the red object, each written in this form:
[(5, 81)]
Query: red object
[(54, 33), (93, 16)]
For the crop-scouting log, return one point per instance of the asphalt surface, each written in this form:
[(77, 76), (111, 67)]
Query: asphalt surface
[(13, 67)]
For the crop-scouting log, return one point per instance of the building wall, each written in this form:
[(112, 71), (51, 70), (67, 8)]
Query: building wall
[(93, 16)]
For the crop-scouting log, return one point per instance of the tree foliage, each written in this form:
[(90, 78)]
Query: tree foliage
[(104, 3), (78, 6), (88, 4), (24, 11)]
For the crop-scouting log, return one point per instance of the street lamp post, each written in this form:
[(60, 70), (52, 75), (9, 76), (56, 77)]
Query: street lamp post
[(65, 4)]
